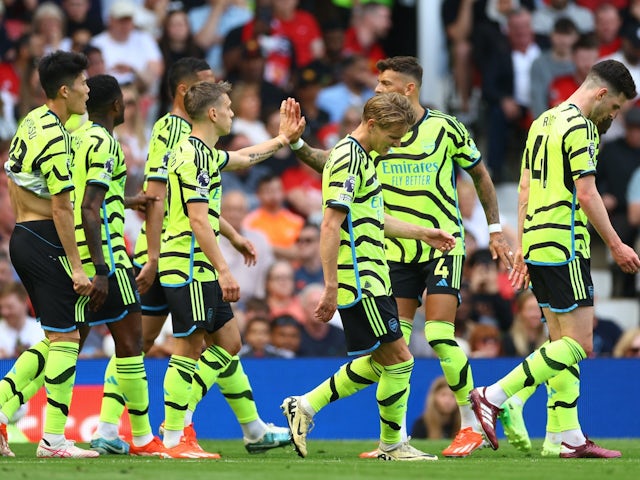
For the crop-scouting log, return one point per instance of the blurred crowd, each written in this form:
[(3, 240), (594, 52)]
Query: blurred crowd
[(509, 60)]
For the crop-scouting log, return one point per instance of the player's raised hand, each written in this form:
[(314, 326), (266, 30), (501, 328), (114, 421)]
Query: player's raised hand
[(292, 123)]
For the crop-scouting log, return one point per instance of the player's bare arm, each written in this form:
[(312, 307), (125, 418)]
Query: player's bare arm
[(498, 245), (591, 202), (314, 157), (519, 275), (240, 243), (435, 237), (92, 226), (199, 221), (62, 212), (329, 246), (154, 216)]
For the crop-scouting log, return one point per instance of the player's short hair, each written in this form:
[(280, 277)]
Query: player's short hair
[(402, 64), (103, 91), (58, 69), (203, 95), (185, 70), (615, 75), (389, 110)]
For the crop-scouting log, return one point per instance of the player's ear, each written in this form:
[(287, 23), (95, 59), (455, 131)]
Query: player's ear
[(409, 88), (63, 91)]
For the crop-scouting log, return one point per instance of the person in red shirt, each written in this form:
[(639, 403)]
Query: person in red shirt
[(607, 28), (301, 28), (585, 54), (370, 23)]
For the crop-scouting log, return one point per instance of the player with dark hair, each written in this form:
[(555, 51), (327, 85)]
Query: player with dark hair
[(44, 252), (557, 198)]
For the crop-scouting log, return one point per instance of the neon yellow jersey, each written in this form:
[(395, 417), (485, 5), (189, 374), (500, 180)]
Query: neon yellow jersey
[(419, 183), (99, 161), (562, 146), (40, 155), (350, 183), (167, 132), (194, 176)]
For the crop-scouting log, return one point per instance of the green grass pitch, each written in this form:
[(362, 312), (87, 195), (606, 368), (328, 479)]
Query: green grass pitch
[(328, 460)]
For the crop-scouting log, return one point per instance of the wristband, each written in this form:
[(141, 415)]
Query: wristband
[(102, 270), (495, 228), (297, 145)]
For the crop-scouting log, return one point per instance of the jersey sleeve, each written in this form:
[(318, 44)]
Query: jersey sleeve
[(581, 145), (464, 150), (102, 162), (194, 182), (222, 158), (157, 160), (343, 181)]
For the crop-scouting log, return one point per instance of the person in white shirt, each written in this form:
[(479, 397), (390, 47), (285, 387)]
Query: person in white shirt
[(130, 55), (18, 331)]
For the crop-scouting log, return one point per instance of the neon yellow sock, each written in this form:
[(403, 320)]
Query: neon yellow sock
[(392, 394), (59, 377), (453, 360), (349, 379), (406, 326), (234, 385), (132, 380), (563, 399), (541, 365), (27, 367), (177, 391)]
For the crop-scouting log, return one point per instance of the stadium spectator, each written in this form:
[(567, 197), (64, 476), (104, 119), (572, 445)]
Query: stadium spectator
[(606, 334), (252, 279), (18, 330), (257, 341), (280, 292), (280, 225), (309, 266), (95, 61), (212, 22), (506, 88), (584, 55), (458, 18), (629, 345), (552, 63), (607, 28), (80, 16), (617, 161), (275, 48), (485, 341), (370, 23), (308, 83), (121, 40), (488, 306), (246, 105), (286, 334), (133, 137), (49, 22), (176, 42), (528, 331), (245, 181), (545, 16), (440, 418), (250, 69), (353, 90), (301, 28), (319, 339)]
